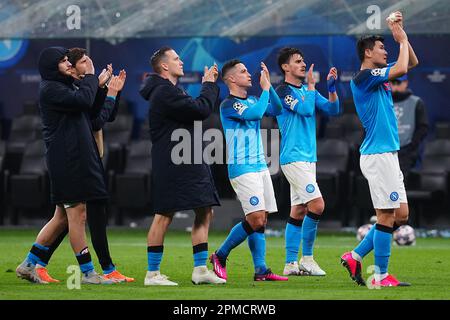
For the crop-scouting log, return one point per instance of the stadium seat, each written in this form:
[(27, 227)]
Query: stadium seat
[(131, 189), (30, 188), (2, 185), (117, 135), (431, 184), (24, 129), (332, 166), (31, 107), (442, 130)]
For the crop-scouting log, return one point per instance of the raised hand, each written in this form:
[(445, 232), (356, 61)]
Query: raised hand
[(89, 66), (115, 85), (398, 33), (105, 75), (210, 74), (310, 78), (265, 70), (263, 81), (331, 79)]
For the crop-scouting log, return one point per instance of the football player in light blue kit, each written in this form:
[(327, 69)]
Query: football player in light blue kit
[(298, 158), (247, 169), (379, 161)]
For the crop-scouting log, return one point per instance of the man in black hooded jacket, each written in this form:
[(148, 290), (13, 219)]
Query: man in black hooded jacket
[(178, 186), (74, 166), (97, 217)]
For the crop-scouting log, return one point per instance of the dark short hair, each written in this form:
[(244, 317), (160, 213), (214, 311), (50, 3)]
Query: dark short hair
[(285, 54), (367, 42), (157, 56), (75, 54), (228, 66)]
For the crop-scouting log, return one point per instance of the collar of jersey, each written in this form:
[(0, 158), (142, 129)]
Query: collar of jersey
[(293, 85), (236, 97)]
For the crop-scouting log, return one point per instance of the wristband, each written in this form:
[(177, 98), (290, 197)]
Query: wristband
[(331, 85)]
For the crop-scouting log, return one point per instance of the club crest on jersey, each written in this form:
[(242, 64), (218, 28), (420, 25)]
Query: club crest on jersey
[(239, 107), (254, 200), (310, 188), (290, 101), (378, 72), (394, 196)]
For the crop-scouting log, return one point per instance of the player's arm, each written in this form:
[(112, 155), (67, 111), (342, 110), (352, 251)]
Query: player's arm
[(294, 103), (256, 112), (413, 60), (327, 106), (64, 99), (275, 106), (331, 83), (401, 66)]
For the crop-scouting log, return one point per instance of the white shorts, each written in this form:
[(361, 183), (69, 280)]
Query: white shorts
[(382, 170), (255, 192), (302, 178)]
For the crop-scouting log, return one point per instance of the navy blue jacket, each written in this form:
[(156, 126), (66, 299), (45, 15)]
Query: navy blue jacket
[(75, 169), (178, 186)]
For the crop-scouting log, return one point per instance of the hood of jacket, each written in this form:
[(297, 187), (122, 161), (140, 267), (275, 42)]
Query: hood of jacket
[(151, 83), (48, 64)]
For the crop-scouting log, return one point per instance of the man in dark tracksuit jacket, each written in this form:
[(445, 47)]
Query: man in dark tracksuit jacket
[(412, 123), (182, 186), (74, 166), (97, 217)]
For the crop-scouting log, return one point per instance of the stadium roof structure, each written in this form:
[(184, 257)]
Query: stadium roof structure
[(227, 18)]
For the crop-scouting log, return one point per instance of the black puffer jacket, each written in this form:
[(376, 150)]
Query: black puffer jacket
[(178, 186), (75, 169)]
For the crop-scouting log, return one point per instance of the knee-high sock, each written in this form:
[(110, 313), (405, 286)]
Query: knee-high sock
[(97, 220), (382, 248), (52, 248), (366, 244), (293, 236), (154, 257), (85, 261), (309, 232), (236, 236), (200, 254), (37, 254), (257, 245)]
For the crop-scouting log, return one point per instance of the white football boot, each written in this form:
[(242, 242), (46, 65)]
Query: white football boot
[(27, 271), (291, 269), (308, 267), (93, 277), (201, 275), (155, 278)]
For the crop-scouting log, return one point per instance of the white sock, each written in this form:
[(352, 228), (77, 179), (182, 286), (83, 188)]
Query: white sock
[(380, 277)]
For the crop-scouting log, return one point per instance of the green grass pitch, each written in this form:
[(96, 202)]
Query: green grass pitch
[(426, 266)]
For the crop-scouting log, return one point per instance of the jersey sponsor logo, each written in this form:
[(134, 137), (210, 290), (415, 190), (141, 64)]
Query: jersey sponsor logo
[(378, 72), (310, 188), (254, 200), (239, 107), (290, 101), (394, 196)]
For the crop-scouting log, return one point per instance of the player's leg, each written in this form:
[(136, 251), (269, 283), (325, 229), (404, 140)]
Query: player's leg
[(306, 192), (307, 264), (258, 222), (201, 274), (38, 255), (76, 216), (293, 236), (249, 190), (97, 221), (155, 248)]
